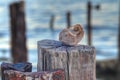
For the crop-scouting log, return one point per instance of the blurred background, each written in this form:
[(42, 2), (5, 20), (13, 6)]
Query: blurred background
[(44, 19)]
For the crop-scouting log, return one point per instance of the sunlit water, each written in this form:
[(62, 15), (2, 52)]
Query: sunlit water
[(38, 13)]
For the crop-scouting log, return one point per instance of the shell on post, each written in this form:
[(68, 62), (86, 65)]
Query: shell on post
[(71, 36)]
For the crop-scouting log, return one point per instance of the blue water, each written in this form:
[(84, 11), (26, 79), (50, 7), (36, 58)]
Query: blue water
[(38, 13)]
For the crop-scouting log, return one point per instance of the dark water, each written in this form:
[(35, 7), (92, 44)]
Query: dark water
[(38, 13)]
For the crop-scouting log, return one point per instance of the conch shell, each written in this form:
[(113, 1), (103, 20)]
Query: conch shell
[(71, 36)]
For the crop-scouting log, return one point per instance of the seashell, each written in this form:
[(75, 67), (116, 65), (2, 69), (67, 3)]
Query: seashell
[(71, 36)]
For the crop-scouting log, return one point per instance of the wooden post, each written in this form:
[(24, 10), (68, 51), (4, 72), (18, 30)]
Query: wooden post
[(24, 67), (68, 19), (77, 61), (118, 64), (46, 75), (119, 34), (52, 22), (18, 29), (89, 28)]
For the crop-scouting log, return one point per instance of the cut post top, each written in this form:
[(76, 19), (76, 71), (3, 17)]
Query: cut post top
[(46, 43)]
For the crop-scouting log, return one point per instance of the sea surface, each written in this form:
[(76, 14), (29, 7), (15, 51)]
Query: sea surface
[(38, 14)]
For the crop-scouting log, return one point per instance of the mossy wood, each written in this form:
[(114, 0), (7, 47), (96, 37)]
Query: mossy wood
[(77, 61)]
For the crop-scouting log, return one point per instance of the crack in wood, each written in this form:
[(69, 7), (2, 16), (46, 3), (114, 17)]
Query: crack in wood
[(77, 61)]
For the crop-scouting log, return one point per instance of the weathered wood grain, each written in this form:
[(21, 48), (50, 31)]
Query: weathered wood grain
[(23, 67), (42, 46), (46, 75), (56, 58), (77, 61), (81, 63)]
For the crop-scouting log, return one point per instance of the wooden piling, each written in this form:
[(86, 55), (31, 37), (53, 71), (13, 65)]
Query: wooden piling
[(119, 34), (118, 62), (78, 61), (89, 27), (68, 19), (18, 32), (52, 22), (23, 67), (46, 75)]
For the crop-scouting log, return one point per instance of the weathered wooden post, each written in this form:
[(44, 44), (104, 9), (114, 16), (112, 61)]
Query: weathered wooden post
[(68, 19), (119, 34), (23, 67), (18, 29), (46, 75), (52, 22), (118, 62), (89, 25), (77, 61)]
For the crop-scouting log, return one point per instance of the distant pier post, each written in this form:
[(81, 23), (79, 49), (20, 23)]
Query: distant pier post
[(89, 29), (52, 22), (89, 26), (118, 64), (68, 19), (119, 34), (18, 29)]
